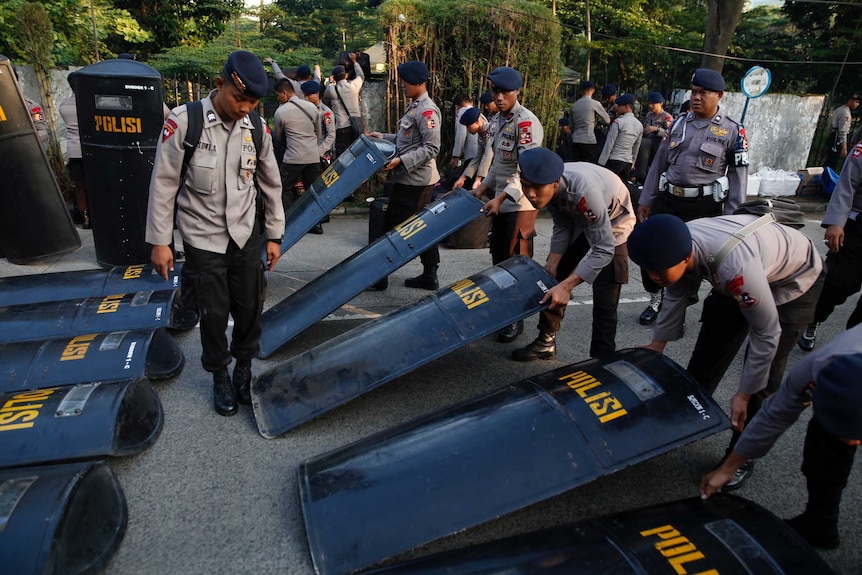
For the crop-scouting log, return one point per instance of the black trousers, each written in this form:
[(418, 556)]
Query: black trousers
[(622, 169), (585, 152), (404, 201), (216, 285), (606, 296), (343, 138), (843, 276), (723, 329), (292, 173), (512, 234), (826, 464), (686, 209)]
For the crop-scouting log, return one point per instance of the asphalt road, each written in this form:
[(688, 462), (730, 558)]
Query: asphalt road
[(213, 496)]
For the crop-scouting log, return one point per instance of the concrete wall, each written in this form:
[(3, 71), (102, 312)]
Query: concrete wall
[(780, 127)]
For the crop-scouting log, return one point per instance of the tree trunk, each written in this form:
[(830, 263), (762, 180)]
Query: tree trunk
[(721, 20)]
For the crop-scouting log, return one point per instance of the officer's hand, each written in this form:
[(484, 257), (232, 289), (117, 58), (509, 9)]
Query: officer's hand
[(714, 481), (834, 238), (162, 258), (655, 345), (393, 163), (268, 60), (377, 135), (643, 213), (459, 183), (477, 182), (353, 56), (558, 296), (455, 161), (273, 252), (551, 268), (739, 410), (492, 207)]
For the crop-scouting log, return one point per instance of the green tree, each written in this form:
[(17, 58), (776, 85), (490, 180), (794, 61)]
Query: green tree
[(330, 25)]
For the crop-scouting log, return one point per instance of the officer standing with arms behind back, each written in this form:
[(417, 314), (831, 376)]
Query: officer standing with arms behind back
[(414, 167), (215, 199), (700, 170)]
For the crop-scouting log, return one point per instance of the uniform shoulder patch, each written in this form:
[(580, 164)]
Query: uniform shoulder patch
[(857, 151), (585, 210), (525, 132), (169, 129), (430, 123)]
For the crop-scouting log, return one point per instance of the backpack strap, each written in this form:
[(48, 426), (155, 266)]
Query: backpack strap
[(195, 116), (713, 261), (256, 135)]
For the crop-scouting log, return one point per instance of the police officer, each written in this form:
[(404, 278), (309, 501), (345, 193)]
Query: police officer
[(624, 140), (701, 168), (486, 100), (476, 123), (839, 131), (829, 380), (656, 125), (516, 129), (223, 273), (414, 167), (843, 236), (296, 125), (593, 215), (582, 121), (302, 75), (465, 146), (765, 279), (343, 97), (311, 89)]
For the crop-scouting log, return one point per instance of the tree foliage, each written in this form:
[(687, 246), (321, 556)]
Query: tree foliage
[(330, 25)]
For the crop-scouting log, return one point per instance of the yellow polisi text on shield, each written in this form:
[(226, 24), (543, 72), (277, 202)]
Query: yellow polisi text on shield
[(602, 403), (117, 124), (471, 294), (77, 347), (410, 227), (22, 409), (679, 551), (110, 304), (133, 272)]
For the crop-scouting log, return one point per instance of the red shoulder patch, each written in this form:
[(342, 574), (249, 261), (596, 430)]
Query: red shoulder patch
[(169, 129), (585, 210), (735, 285), (857, 151), (428, 113)]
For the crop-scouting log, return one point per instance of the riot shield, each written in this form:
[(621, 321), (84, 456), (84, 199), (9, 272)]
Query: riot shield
[(34, 221), (60, 518), (362, 159), (345, 367), (50, 320), (120, 118), (316, 299), (82, 284), (78, 422), (544, 435), (150, 353), (725, 534)]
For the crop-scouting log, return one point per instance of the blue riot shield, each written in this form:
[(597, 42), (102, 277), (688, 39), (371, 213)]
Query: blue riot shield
[(60, 518), (483, 458), (82, 284), (345, 367), (724, 534), (362, 159), (315, 300), (150, 353)]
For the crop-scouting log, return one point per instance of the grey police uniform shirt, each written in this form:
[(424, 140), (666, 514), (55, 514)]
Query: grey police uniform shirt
[(349, 90), (216, 201), (623, 140), (846, 200), (782, 408), (417, 143), (328, 127), (698, 151), (591, 200), (510, 135), (840, 122), (466, 145), (662, 122), (481, 162), (297, 85), (69, 112), (582, 119), (774, 265), (296, 125)]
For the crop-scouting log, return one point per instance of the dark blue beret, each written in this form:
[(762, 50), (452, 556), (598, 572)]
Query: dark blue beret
[(506, 78), (247, 73), (486, 98), (838, 397), (608, 90), (125, 56), (470, 116), (303, 71), (310, 87), (540, 166), (587, 84), (708, 79), (659, 243), (339, 72), (655, 98), (414, 72), (625, 100), (563, 122)]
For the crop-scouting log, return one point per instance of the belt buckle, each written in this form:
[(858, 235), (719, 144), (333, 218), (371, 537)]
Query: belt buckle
[(677, 191)]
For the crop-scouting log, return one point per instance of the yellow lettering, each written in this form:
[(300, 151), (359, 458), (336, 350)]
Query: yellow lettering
[(458, 286), (675, 547), (410, 227), (677, 562), (582, 388), (664, 532), (15, 426), (98, 122), (577, 377), (330, 176), (114, 127), (613, 415), (37, 395), (77, 347), (7, 418), (2, 115), (133, 272), (110, 304)]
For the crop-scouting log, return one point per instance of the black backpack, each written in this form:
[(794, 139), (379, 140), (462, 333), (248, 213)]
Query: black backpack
[(785, 210)]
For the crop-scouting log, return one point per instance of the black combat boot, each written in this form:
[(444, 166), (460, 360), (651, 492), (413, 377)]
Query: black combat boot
[(543, 347), (242, 381), (428, 279), (510, 332), (224, 399), (380, 285)]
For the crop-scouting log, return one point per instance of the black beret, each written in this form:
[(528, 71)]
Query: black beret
[(486, 98), (655, 98), (587, 84), (709, 79), (303, 71), (608, 90), (339, 72), (540, 166), (838, 397), (470, 116), (659, 243), (310, 87), (247, 73), (414, 72), (625, 100), (506, 78)]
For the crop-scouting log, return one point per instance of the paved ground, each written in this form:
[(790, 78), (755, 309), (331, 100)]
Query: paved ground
[(213, 496)]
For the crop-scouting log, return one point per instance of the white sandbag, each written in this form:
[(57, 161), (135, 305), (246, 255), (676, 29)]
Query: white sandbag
[(777, 183), (753, 185)]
